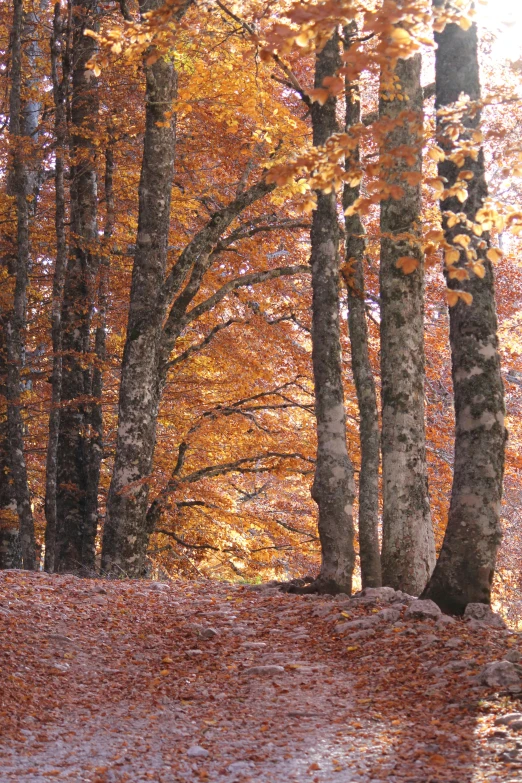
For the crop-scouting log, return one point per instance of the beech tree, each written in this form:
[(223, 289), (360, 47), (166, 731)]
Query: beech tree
[(333, 489), (353, 272), (77, 452), (23, 121), (408, 551), (466, 563)]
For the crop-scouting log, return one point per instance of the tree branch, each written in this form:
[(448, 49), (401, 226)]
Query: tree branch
[(252, 278)]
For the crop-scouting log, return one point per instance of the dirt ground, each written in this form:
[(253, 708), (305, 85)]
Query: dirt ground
[(113, 681)]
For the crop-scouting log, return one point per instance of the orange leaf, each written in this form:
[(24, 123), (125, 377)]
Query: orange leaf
[(458, 274), (452, 297), (408, 264), (319, 96)]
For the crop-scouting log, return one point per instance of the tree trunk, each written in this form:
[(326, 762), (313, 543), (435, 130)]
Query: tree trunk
[(333, 489), (76, 529), (100, 352), (124, 547), (21, 180), (362, 370), (10, 552), (466, 563), (60, 125), (408, 549)]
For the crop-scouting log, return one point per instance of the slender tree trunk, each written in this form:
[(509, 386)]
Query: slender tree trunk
[(466, 563), (333, 489), (361, 368), (408, 549), (74, 544), (124, 547), (10, 552), (21, 179), (100, 352), (59, 91)]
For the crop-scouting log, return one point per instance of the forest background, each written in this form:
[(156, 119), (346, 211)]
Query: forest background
[(236, 441)]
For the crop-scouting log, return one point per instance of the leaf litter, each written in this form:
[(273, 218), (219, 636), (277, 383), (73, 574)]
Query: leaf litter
[(125, 681)]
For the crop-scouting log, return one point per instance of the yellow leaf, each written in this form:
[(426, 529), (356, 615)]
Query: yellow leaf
[(166, 659), (164, 672), (452, 297), (96, 70), (465, 174), (458, 274), (466, 297), (435, 153), (302, 39), (400, 36), (465, 23), (352, 648), (462, 195), (494, 255), (451, 256), (452, 220), (479, 270), (408, 264), (462, 239)]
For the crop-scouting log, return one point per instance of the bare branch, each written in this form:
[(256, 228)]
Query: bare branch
[(208, 339), (252, 278)]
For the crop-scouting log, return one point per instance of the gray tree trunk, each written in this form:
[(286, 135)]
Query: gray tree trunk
[(333, 489), (369, 436), (76, 528), (60, 82), (408, 549), (466, 563), (10, 552), (124, 544), (21, 184)]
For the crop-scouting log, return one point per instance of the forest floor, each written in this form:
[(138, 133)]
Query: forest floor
[(107, 681)]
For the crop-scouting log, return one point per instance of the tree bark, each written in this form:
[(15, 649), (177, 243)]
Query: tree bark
[(21, 181), (466, 563), (100, 353), (408, 549), (369, 436), (333, 488), (124, 544), (60, 82), (10, 552), (76, 529)]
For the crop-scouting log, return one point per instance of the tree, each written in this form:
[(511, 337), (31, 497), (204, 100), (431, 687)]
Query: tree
[(333, 489), (369, 437), (408, 548), (77, 452), (466, 563), (124, 538), (60, 82), (23, 120)]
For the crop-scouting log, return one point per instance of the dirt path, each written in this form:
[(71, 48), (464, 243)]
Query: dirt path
[(109, 682)]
